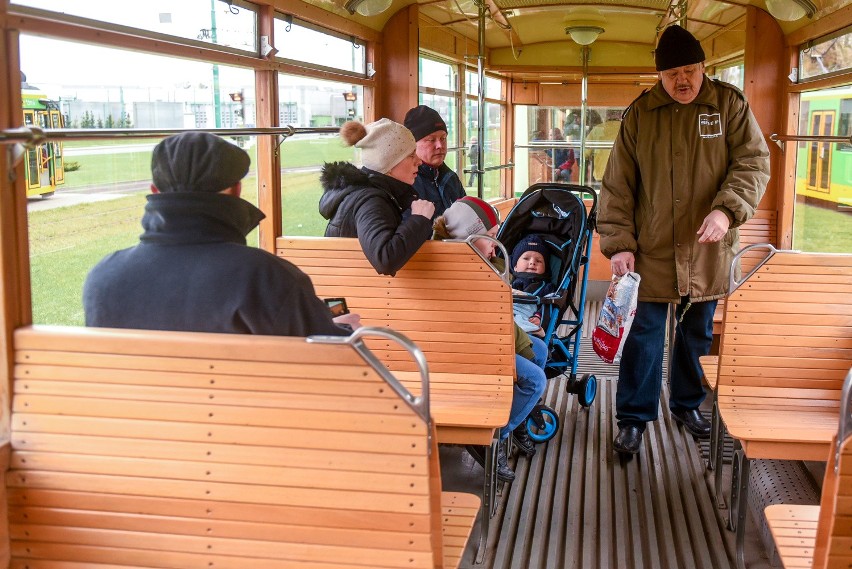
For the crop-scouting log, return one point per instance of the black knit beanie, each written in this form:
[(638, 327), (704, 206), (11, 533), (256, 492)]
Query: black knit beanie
[(423, 121), (197, 162), (676, 48)]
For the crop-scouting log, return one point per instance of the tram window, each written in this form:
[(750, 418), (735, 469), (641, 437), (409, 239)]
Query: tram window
[(231, 23), (844, 125), (732, 73), (307, 102), (493, 86), (828, 55), (438, 75), (112, 178), (299, 41), (824, 173)]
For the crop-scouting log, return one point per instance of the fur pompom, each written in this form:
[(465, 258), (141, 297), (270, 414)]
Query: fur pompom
[(352, 132), (439, 228)]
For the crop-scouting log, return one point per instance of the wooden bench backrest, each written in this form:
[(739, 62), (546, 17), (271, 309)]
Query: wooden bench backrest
[(445, 299), (787, 333), (834, 530), (173, 449), (761, 228), (504, 206)]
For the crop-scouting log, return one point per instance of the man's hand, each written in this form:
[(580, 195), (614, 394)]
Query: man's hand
[(714, 227), (354, 320), (423, 207), (622, 263)]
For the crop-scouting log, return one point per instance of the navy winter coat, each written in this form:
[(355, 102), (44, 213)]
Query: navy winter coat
[(440, 186)]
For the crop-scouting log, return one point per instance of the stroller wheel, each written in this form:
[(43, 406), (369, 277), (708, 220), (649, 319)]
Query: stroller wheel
[(586, 388), (542, 424)]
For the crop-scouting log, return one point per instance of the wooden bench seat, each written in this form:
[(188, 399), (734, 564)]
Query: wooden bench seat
[(446, 300), (786, 345), (172, 449), (821, 536)]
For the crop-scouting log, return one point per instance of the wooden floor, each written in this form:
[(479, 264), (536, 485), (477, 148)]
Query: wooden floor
[(576, 504)]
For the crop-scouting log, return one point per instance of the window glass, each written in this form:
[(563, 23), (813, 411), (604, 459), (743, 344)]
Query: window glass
[(493, 85), (824, 174), (301, 42), (548, 144), (490, 149), (732, 74), (98, 206), (209, 21), (829, 55), (437, 75), (305, 102)]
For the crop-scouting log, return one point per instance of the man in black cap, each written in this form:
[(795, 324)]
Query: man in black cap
[(192, 270), (673, 193), (435, 180)]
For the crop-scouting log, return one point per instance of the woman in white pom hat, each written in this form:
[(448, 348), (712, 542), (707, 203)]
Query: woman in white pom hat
[(372, 203)]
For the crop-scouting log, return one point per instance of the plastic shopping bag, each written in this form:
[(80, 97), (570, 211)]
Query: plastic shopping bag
[(616, 317)]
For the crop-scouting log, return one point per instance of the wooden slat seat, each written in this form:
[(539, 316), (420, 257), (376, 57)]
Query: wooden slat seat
[(761, 228), (710, 367), (504, 206), (821, 536), (786, 345), (172, 449), (450, 303)]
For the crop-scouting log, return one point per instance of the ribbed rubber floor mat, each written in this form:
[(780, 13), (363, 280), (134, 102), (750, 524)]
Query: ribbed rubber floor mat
[(578, 505)]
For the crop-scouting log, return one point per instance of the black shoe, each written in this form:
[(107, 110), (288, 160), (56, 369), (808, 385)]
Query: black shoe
[(628, 440), (521, 437), (504, 473), (694, 422)]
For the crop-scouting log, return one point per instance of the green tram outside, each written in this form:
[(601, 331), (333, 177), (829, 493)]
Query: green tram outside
[(44, 165), (824, 171)]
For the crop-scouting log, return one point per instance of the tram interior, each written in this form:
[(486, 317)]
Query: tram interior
[(522, 85)]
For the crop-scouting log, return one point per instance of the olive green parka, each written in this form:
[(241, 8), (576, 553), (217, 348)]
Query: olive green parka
[(670, 166)]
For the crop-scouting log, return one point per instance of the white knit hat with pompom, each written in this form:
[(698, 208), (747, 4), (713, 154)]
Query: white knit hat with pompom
[(383, 143)]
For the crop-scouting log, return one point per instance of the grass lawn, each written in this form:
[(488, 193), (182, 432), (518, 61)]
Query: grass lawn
[(820, 229)]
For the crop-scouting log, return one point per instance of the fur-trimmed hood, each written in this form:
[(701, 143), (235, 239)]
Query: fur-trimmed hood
[(338, 180)]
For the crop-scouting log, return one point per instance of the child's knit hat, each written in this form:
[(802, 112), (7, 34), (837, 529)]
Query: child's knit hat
[(530, 242), (383, 143), (469, 216)]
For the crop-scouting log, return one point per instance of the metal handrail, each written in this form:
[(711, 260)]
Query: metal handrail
[(33, 135), (733, 283), (419, 404), (808, 138), (845, 429)]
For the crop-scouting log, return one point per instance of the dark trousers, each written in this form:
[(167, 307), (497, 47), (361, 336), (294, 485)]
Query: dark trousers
[(641, 369)]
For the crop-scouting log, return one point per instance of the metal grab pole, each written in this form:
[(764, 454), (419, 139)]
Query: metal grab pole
[(480, 127)]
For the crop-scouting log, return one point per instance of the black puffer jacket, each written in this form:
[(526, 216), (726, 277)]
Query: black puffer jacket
[(193, 272), (368, 205)]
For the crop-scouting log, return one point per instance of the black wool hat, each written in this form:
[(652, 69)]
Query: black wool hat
[(423, 121), (197, 162), (676, 48), (530, 242)]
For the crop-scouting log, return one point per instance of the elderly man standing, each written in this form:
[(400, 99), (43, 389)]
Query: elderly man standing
[(688, 167), (435, 181)]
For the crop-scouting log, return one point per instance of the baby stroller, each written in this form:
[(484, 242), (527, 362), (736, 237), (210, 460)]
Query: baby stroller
[(556, 212)]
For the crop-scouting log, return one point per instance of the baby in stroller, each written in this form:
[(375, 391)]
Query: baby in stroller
[(531, 277)]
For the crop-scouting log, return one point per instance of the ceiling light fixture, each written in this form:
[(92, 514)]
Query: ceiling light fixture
[(584, 35), (367, 7), (790, 10)]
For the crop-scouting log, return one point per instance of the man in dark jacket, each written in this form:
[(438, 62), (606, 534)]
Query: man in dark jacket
[(435, 181), (192, 270), (689, 166)]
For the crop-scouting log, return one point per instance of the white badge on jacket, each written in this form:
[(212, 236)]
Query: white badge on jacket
[(709, 126)]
